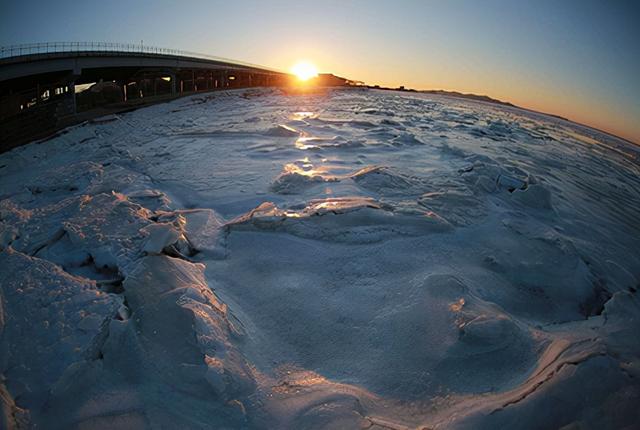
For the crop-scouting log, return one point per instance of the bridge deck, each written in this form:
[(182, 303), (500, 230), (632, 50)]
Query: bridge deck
[(39, 82)]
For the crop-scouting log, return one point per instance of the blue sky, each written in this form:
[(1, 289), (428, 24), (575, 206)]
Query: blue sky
[(579, 59)]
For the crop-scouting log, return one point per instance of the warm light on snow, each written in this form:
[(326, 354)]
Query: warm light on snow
[(304, 70)]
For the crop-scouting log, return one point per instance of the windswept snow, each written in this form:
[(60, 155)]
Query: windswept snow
[(354, 259)]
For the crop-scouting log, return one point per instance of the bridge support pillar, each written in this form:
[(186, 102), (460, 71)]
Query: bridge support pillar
[(172, 81), (71, 86)]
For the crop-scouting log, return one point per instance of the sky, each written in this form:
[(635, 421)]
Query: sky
[(577, 59)]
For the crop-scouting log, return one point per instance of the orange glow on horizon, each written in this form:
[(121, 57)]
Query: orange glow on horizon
[(526, 89)]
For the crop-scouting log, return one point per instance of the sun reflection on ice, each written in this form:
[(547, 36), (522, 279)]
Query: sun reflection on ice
[(301, 142), (305, 170), (299, 116), (457, 306)]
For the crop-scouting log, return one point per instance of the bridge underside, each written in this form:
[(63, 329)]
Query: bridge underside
[(42, 95)]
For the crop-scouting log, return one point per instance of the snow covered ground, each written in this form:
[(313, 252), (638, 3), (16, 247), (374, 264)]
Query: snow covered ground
[(354, 259)]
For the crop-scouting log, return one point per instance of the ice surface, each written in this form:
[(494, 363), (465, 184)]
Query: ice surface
[(356, 259)]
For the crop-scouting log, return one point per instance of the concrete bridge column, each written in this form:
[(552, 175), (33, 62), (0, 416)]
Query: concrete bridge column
[(172, 77), (71, 86)]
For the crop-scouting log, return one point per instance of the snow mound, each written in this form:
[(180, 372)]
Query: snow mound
[(85, 177), (73, 178), (457, 204), (282, 131), (447, 326), (485, 175), (534, 196), (406, 139)]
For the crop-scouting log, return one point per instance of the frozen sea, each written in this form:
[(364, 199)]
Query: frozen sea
[(346, 259)]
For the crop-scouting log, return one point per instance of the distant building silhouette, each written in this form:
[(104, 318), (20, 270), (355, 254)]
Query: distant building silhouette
[(330, 80)]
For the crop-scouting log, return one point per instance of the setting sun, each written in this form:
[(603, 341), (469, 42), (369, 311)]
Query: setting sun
[(304, 70)]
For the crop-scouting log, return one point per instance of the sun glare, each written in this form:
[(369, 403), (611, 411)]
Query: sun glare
[(304, 70)]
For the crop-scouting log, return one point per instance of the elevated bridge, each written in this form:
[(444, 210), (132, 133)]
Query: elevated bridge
[(46, 86)]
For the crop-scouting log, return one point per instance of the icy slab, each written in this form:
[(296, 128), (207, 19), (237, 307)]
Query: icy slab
[(301, 176), (176, 333), (64, 318), (295, 179), (202, 228), (123, 222), (182, 324), (344, 219), (151, 199), (159, 236)]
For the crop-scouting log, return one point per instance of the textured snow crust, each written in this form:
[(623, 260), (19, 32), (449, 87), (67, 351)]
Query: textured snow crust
[(352, 259)]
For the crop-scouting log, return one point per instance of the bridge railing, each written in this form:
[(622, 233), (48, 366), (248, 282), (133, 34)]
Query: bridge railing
[(27, 49)]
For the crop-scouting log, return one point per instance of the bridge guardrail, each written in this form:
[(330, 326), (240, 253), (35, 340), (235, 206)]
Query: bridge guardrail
[(13, 51)]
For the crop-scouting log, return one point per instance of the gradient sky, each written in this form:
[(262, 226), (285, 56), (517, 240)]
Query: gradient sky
[(579, 59)]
